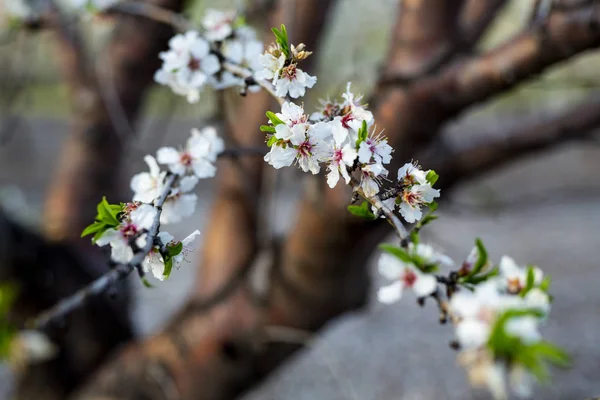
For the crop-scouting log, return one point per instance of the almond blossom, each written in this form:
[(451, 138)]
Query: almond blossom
[(405, 275), (217, 24), (244, 53), (181, 203), (375, 149), (139, 219), (293, 81), (271, 67), (371, 177), (514, 278), (341, 158), (349, 118), (414, 198), (148, 186), (154, 261), (409, 175), (188, 65), (201, 151)]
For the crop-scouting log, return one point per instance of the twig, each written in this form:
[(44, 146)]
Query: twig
[(153, 12), (120, 272), (376, 202), (245, 73)]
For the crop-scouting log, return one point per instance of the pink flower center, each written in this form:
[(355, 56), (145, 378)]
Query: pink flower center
[(346, 119), (305, 149), (410, 197), (409, 278), (337, 156), (514, 286), (289, 72), (186, 159), (194, 64), (128, 230)]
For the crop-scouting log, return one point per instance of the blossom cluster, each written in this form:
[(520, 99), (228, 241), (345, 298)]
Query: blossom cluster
[(196, 59), (124, 227), (280, 66), (496, 311)]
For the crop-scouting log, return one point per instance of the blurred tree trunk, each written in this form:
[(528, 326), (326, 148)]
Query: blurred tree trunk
[(220, 344), (90, 167)]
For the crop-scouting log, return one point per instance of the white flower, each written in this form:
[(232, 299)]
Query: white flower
[(281, 156), (346, 126), (293, 81), (525, 328), (188, 65), (200, 152), (515, 277), (409, 175), (17, 9), (271, 67), (142, 217), (405, 275), (31, 346), (521, 381), (186, 249), (292, 114), (428, 255), (148, 186), (154, 262), (537, 299), (412, 200), (376, 148), (314, 148), (244, 53), (338, 163), (371, 176), (217, 24), (180, 204)]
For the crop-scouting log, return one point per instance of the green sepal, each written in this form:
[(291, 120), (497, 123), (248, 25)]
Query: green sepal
[(363, 211), (432, 177), (273, 118), (399, 253), (272, 140), (545, 285), (168, 267), (267, 128), (147, 283), (363, 133), (281, 37)]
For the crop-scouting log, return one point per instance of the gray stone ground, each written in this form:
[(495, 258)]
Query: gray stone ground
[(543, 210)]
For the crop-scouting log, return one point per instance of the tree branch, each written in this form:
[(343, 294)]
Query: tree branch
[(526, 138), (120, 272)]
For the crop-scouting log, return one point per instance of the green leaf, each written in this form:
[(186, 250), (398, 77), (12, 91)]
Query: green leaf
[(267, 128), (239, 21), (147, 283), (272, 140), (168, 267), (481, 260), (545, 285), (427, 219), (414, 236), (94, 228), (432, 177), (433, 206), (474, 280), (552, 353), (529, 281), (281, 37), (274, 118), (363, 211), (363, 133), (175, 250), (399, 253)]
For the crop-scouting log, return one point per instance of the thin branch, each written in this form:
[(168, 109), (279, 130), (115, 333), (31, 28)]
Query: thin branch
[(155, 13), (474, 159), (120, 272), (376, 202), (246, 74)]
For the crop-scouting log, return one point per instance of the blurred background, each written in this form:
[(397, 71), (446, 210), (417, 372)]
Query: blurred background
[(541, 208)]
